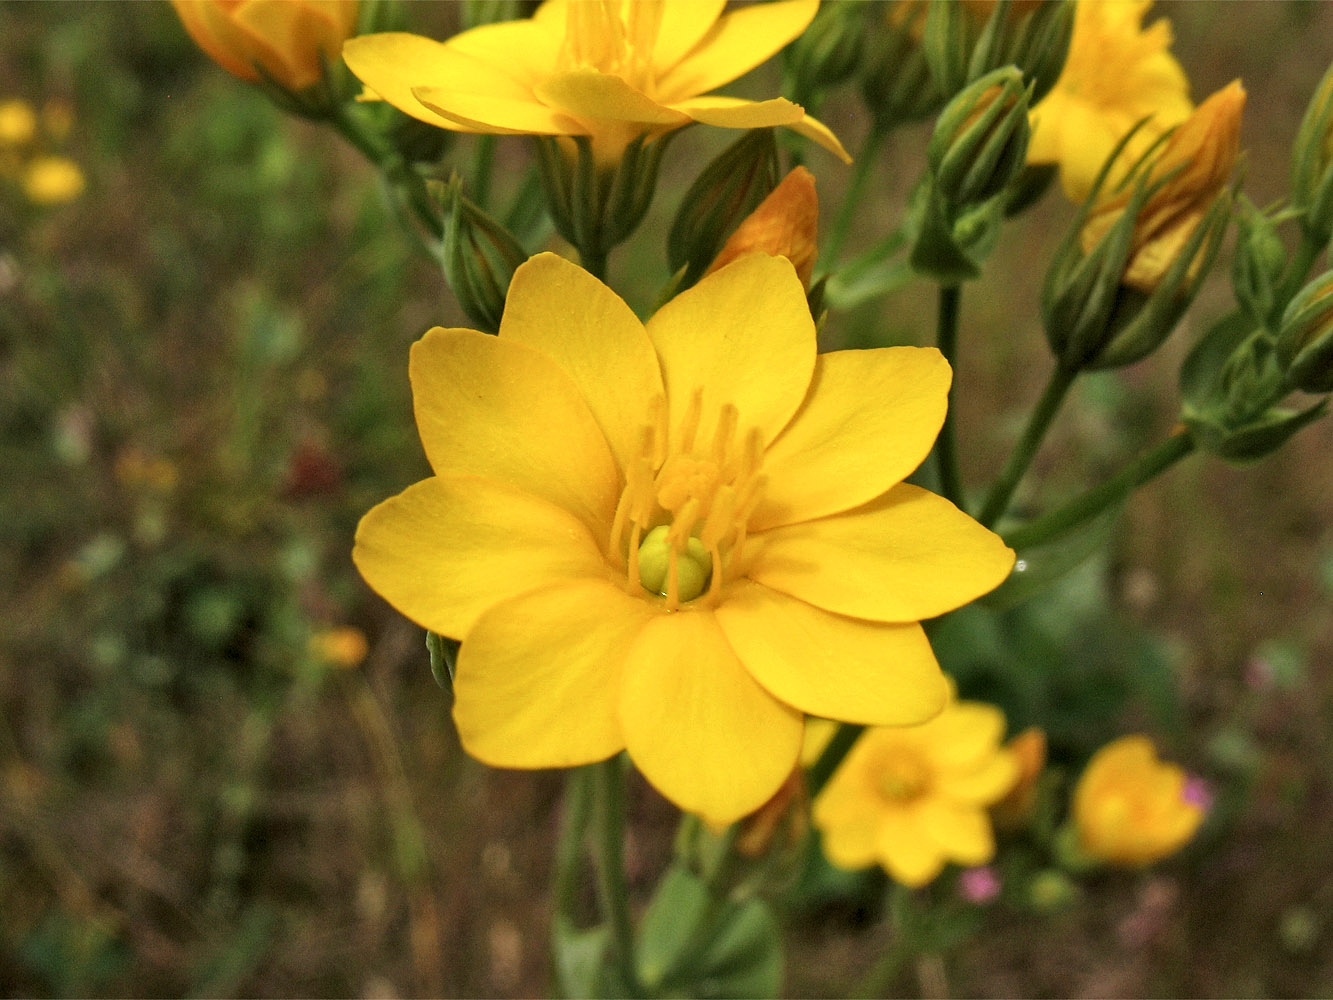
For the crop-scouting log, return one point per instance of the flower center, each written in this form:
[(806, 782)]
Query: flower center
[(903, 777), (681, 521), (613, 37)]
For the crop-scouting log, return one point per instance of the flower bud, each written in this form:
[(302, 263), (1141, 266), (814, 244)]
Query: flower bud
[(1305, 338), (1130, 808), (479, 257), (947, 44), (1312, 164), (1182, 182), (1260, 259), (285, 42), (1033, 35), (727, 190), (786, 224), (980, 141), (897, 85), (1029, 749), (828, 52)]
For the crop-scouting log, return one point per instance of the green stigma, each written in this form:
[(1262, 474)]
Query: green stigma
[(694, 566)]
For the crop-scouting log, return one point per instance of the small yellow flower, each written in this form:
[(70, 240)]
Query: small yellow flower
[(344, 647), (786, 224), (675, 538), (288, 40), (1117, 73), (1195, 164), (52, 180), (914, 798), (612, 70), (18, 123), (1130, 808)]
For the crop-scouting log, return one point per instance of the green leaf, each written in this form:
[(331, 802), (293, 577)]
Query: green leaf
[(580, 959)]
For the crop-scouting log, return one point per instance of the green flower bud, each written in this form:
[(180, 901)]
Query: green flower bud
[(728, 190), (981, 139), (479, 256), (828, 52), (1305, 338), (1032, 36), (896, 83), (1312, 164), (946, 44), (694, 566), (1260, 259)]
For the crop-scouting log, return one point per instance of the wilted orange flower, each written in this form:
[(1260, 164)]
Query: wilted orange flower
[(1194, 166), (1029, 750), (786, 224), (1116, 74), (1132, 809), (287, 40)]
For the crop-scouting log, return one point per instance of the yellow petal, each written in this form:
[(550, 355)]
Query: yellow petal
[(525, 51), (499, 409), (591, 95), (738, 42), (962, 832), (683, 25), (965, 735), (502, 115), (734, 112), (907, 556), (561, 310), (983, 785), (831, 666), (820, 134), (743, 335), (446, 549), (869, 419), (539, 674), (905, 851), (698, 726), (848, 821)]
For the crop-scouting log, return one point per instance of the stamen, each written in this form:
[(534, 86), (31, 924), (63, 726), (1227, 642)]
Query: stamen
[(722, 435), (690, 424), (721, 515), (683, 523)]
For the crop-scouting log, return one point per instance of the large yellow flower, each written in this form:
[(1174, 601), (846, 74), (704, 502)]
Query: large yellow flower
[(676, 538), (913, 798), (1117, 73), (612, 70), (1132, 809)]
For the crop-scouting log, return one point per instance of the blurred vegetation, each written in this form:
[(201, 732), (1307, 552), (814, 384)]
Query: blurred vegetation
[(207, 789)]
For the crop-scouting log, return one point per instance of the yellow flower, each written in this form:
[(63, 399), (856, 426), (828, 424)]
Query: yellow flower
[(18, 123), (914, 798), (1194, 166), (1130, 808), (786, 224), (287, 40), (675, 539), (612, 70), (1117, 73), (52, 180)]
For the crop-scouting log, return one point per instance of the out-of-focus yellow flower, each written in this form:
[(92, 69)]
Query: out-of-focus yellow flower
[(1130, 808), (18, 123), (287, 40), (612, 70), (665, 557), (1116, 74), (1194, 166), (1029, 750), (52, 180), (786, 224), (343, 647), (912, 799)]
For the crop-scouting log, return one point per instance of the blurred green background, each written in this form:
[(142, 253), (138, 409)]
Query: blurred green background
[(224, 766)]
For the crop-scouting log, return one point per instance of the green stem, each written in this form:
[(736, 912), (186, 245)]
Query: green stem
[(594, 263), (853, 201), (1147, 466), (833, 754), (608, 854), (483, 164), (717, 881), (1002, 491), (407, 183), (573, 825), (946, 446)]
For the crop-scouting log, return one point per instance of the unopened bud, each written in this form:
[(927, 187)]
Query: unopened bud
[(897, 85), (1030, 34), (1260, 259), (828, 52), (1305, 338), (947, 45), (980, 141), (727, 190), (1312, 164), (786, 224), (479, 256)]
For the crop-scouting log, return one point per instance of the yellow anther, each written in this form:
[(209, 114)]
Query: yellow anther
[(689, 425), (658, 561), (726, 430)]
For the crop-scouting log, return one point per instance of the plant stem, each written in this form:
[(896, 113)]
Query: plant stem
[(946, 447), (1147, 466), (569, 851), (1039, 422), (608, 854), (832, 756), (853, 200), (408, 184)]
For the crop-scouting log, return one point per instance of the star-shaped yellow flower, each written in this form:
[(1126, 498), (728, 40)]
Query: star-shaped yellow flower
[(1117, 73), (913, 798), (675, 538), (612, 70)]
